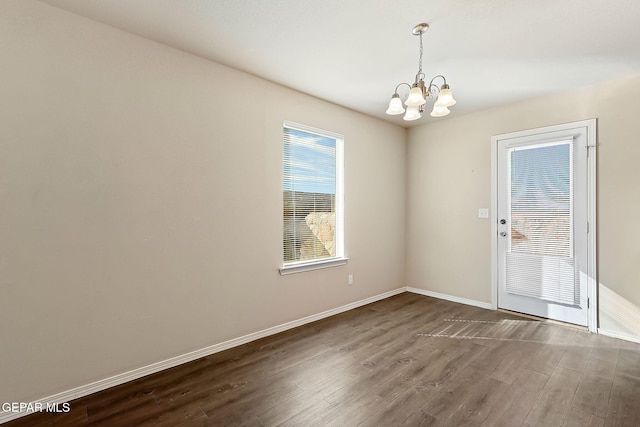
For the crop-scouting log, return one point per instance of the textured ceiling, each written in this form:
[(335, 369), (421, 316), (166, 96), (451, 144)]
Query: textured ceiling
[(354, 52)]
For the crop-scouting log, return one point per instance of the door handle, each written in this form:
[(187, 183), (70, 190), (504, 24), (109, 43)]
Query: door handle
[(503, 221), (503, 233)]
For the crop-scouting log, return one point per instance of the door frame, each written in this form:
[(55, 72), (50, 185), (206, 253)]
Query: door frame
[(592, 281)]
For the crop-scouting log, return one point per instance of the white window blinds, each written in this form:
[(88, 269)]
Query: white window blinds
[(540, 261), (312, 196)]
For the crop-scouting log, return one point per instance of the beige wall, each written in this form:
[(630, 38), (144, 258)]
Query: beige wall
[(449, 178), (140, 203)]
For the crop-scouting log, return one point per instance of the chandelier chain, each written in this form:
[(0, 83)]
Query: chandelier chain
[(420, 63)]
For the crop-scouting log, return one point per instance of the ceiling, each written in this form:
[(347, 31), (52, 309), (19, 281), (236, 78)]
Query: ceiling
[(354, 52)]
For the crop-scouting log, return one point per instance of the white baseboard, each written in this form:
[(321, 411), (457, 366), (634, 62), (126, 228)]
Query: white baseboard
[(619, 335), (115, 380), (451, 298)]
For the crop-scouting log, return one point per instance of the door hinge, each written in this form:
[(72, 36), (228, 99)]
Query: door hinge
[(588, 303), (588, 228)]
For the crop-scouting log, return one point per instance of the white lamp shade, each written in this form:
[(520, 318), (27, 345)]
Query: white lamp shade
[(415, 98), (439, 111), (395, 105), (445, 98), (412, 114)]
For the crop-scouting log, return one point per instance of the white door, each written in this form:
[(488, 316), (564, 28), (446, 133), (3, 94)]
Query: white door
[(542, 223)]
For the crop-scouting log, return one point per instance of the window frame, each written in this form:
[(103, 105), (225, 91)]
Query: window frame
[(339, 258)]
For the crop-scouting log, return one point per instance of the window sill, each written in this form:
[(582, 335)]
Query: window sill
[(301, 267)]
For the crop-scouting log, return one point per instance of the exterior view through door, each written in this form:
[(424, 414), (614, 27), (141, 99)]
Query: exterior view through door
[(543, 225)]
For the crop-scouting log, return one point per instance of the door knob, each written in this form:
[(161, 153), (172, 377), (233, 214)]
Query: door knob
[(503, 221), (503, 233)]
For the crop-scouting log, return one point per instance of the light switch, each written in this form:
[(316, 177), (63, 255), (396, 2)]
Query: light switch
[(483, 213)]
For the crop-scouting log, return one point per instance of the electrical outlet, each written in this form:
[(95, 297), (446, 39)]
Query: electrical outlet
[(350, 281)]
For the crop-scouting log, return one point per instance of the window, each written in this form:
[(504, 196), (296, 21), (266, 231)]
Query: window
[(313, 232)]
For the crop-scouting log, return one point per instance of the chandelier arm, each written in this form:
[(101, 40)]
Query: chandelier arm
[(400, 84), (439, 75)]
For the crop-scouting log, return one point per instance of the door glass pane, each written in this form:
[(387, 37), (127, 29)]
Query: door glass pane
[(540, 262), (541, 199)]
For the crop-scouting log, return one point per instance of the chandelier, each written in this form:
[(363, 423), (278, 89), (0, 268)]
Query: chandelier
[(419, 91)]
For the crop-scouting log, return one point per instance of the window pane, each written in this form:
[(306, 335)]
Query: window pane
[(309, 196)]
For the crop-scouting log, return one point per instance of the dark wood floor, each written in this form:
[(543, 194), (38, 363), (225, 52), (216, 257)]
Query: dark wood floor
[(408, 360)]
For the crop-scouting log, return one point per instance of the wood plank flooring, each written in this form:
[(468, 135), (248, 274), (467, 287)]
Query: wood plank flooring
[(409, 360)]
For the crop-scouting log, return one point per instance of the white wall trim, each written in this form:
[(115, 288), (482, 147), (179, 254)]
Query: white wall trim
[(494, 223), (451, 298), (619, 335), (115, 380), (313, 265), (592, 243)]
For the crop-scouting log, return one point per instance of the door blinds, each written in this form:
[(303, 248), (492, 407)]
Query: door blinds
[(540, 261)]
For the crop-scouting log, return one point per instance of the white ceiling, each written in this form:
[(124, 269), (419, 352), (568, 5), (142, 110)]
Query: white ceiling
[(355, 52)]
